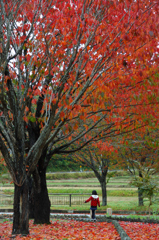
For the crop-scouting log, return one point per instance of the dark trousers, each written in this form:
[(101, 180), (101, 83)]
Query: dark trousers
[(93, 211), (93, 214)]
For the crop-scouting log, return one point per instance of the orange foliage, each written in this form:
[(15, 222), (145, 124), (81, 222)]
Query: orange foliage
[(66, 230)]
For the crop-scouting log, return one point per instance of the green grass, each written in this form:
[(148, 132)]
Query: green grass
[(116, 206), (72, 183), (8, 191), (121, 193), (118, 198), (77, 175), (143, 217), (120, 206), (84, 184), (66, 190), (113, 193)]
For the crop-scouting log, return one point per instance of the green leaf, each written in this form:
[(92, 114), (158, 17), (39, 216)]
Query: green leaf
[(32, 119)]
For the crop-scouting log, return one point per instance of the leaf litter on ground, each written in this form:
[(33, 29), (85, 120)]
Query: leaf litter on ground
[(64, 230), (141, 231)]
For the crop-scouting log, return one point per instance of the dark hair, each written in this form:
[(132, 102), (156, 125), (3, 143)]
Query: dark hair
[(94, 192)]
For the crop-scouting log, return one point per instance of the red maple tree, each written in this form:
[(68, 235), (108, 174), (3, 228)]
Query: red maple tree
[(66, 66)]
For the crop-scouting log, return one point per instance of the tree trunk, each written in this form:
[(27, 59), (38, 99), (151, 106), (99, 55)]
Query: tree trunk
[(104, 193), (31, 198), (140, 194), (41, 201), (140, 197), (102, 179), (21, 209)]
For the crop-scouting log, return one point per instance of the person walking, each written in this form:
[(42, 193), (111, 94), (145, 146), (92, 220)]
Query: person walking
[(94, 202)]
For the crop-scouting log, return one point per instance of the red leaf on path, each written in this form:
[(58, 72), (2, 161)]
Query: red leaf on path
[(141, 231), (62, 229)]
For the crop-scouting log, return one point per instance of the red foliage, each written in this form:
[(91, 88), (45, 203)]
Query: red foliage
[(62, 229), (141, 231)]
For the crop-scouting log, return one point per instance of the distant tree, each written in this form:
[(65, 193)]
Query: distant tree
[(140, 155), (98, 157), (148, 185)]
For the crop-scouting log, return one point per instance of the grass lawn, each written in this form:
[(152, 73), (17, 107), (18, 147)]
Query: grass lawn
[(120, 195)]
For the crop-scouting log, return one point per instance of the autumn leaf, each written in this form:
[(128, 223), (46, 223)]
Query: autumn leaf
[(60, 229)]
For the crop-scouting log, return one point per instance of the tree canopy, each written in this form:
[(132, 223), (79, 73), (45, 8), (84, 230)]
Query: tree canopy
[(67, 66)]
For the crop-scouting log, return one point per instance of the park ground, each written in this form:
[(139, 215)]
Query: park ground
[(121, 197)]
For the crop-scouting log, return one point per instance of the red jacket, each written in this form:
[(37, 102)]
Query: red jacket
[(94, 200)]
